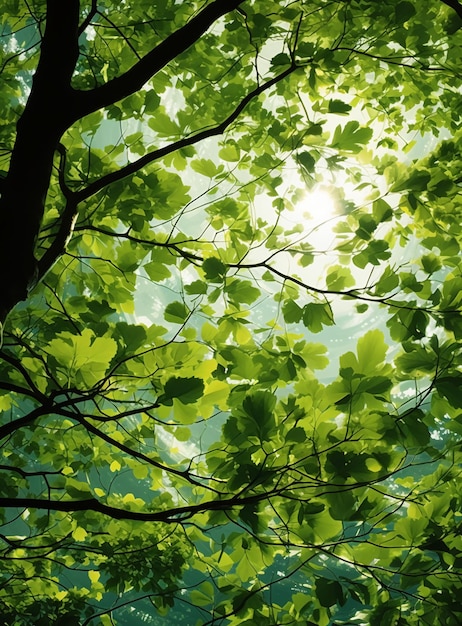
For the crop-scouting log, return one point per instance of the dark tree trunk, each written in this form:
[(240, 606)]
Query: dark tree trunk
[(48, 112)]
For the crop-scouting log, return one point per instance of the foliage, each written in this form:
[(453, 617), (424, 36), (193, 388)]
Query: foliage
[(213, 399)]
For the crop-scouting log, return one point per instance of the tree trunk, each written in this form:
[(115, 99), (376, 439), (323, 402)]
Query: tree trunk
[(48, 112)]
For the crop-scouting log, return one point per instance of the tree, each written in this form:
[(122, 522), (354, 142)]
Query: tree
[(166, 439)]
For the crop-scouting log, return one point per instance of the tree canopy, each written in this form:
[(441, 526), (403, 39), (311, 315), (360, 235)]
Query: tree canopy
[(223, 402)]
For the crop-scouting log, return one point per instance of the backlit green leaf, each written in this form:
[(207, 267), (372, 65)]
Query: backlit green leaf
[(187, 390), (176, 312)]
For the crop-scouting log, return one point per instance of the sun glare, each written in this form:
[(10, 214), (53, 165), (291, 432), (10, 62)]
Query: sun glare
[(314, 209), (313, 216), (320, 204)]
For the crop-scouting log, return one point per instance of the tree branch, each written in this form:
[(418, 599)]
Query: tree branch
[(48, 407), (91, 14), (66, 221), (174, 515), (454, 4), (26, 420), (134, 167), (155, 60), (398, 60), (184, 474), (172, 247), (58, 246), (33, 390)]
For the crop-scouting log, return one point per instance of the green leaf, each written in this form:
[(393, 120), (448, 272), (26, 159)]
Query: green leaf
[(187, 390), (214, 269), (151, 101), (367, 226), (176, 312), (351, 137), (339, 278), (230, 152), (329, 592), (416, 358), (281, 59), (306, 160), (377, 250), (196, 287), (206, 167), (375, 385), (386, 614), (242, 291), (259, 407), (381, 210), (77, 490), (204, 595), (418, 181), (296, 434), (84, 356), (339, 107), (404, 11), (292, 311), (316, 316), (371, 350), (431, 263), (314, 355), (157, 271), (450, 387), (163, 125), (314, 129), (415, 430)]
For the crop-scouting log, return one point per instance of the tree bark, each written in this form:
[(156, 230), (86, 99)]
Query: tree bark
[(48, 112)]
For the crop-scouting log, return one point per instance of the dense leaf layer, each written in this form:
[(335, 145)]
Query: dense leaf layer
[(230, 283)]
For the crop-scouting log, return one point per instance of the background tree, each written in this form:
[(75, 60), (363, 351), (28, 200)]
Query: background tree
[(166, 441)]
